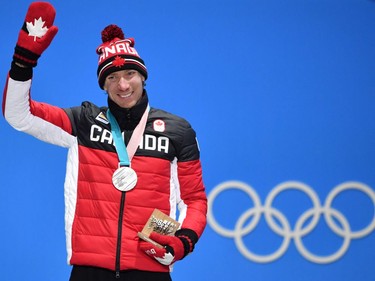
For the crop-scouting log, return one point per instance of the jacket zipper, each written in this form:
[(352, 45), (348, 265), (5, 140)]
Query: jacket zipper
[(121, 214), (119, 235)]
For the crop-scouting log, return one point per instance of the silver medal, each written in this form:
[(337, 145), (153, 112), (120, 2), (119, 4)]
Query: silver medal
[(124, 178)]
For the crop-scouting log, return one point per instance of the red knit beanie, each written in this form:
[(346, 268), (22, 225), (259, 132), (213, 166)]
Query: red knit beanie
[(117, 53)]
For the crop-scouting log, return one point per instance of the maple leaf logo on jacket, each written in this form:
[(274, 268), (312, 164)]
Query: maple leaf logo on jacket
[(36, 29), (118, 61)]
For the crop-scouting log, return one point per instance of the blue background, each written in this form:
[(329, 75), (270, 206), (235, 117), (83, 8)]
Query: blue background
[(276, 90)]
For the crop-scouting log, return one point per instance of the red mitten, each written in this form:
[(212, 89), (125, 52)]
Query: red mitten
[(36, 34), (173, 248)]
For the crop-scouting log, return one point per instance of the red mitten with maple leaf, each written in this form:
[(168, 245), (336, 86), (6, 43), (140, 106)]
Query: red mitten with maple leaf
[(174, 247), (36, 34)]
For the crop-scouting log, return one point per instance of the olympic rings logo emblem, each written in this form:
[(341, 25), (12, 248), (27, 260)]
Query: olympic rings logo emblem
[(301, 228)]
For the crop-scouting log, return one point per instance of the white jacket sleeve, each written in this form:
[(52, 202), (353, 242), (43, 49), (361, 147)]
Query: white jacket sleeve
[(48, 127)]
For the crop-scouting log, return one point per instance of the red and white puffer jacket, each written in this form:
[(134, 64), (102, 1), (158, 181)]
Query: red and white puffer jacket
[(102, 222)]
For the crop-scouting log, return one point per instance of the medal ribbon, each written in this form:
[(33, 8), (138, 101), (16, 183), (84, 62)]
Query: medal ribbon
[(125, 154)]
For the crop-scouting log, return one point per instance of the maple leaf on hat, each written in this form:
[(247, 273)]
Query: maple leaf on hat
[(118, 61), (36, 29)]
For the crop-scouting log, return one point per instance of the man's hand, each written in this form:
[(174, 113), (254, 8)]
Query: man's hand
[(36, 34), (174, 247), (172, 251)]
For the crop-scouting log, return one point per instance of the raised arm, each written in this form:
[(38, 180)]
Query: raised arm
[(46, 122)]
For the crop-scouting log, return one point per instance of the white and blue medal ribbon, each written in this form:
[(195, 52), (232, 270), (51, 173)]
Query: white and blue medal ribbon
[(125, 178)]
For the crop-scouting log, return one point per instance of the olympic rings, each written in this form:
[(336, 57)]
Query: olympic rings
[(283, 229)]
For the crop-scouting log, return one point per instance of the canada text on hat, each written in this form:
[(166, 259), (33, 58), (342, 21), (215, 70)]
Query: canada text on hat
[(117, 53), (116, 48)]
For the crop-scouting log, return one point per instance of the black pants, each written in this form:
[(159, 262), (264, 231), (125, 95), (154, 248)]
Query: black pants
[(88, 273)]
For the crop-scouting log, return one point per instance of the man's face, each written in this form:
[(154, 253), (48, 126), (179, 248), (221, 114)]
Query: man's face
[(124, 87)]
